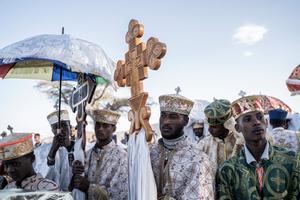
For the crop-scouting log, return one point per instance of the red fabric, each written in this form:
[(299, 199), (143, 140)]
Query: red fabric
[(260, 176), (295, 75), (20, 140), (293, 87), (4, 69)]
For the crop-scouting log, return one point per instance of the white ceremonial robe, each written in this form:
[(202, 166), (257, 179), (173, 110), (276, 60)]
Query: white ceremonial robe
[(286, 138), (60, 172), (107, 169), (183, 173)]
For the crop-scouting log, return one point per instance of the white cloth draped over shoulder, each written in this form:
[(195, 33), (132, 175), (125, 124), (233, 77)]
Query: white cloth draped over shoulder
[(141, 179), (78, 155)]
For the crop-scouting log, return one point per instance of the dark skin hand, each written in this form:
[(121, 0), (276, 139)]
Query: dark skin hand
[(58, 141), (78, 181), (61, 138)]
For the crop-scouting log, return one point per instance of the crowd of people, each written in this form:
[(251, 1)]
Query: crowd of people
[(238, 158)]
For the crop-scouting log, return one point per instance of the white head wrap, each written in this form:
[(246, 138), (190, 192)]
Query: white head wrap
[(196, 115)]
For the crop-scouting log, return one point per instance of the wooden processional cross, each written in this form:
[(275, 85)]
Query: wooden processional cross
[(134, 70)]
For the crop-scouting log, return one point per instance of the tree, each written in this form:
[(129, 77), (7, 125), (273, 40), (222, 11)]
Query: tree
[(104, 96)]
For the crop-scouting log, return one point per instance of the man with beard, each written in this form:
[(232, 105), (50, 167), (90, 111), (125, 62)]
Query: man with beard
[(282, 137), (260, 170), (106, 172), (223, 141), (181, 169), (16, 151)]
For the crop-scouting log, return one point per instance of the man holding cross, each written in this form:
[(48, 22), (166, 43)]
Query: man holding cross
[(260, 170), (181, 169)]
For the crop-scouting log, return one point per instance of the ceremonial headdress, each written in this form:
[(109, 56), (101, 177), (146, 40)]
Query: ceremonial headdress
[(198, 124), (245, 105), (106, 116), (175, 103), (15, 145), (53, 117), (218, 112)]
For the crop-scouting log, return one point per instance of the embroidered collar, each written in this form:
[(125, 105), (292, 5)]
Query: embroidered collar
[(250, 158), (106, 147)]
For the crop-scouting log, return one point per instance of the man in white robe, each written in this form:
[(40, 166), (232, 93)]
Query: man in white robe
[(60, 169), (282, 137), (106, 174)]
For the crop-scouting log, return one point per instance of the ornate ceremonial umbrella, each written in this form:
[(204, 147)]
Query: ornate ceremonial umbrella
[(293, 82), (61, 58), (56, 58), (269, 103)]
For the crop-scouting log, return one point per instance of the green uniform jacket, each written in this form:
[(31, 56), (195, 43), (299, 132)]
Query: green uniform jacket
[(237, 180)]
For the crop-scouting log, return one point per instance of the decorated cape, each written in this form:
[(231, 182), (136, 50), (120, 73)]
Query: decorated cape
[(106, 169), (238, 180), (220, 150), (13, 194), (183, 173), (286, 139), (35, 183)]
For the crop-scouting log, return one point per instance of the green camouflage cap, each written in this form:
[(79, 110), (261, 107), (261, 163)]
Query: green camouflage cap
[(218, 112)]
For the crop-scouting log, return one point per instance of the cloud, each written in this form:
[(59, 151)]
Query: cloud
[(248, 53), (250, 34)]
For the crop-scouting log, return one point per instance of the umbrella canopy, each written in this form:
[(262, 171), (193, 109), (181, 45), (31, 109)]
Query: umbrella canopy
[(270, 103), (293, 82), (56, 58), (42, 57)]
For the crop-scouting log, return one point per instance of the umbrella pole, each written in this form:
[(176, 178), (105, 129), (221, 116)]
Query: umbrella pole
[(59, 98), (60, 79)]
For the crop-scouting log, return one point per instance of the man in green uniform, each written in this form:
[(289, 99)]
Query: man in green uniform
[(260, 170)]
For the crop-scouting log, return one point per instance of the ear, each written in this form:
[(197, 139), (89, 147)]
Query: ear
[(186, 120), (114, 128)]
